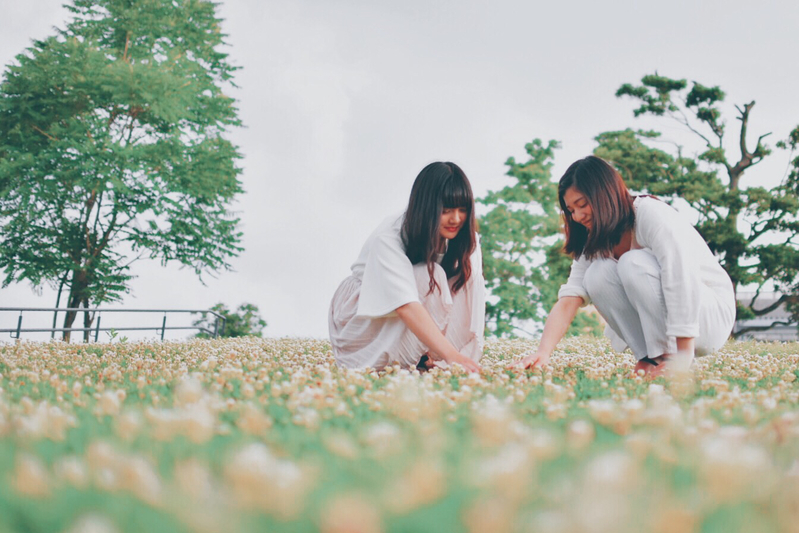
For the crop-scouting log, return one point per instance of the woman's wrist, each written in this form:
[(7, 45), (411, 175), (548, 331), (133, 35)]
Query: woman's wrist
[(537, 356), (685, 344), (451, 356), (539, 353)]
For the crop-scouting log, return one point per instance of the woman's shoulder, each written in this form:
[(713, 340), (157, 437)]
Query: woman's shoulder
[(647, 201), (655, 220), (651, 209), (387, 236), (390, 227)]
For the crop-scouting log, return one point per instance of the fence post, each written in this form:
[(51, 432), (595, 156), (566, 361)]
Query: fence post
[(163, 327), (97, 329), (19, 326)]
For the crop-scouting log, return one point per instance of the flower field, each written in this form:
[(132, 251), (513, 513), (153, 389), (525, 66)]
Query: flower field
[(269, 435)]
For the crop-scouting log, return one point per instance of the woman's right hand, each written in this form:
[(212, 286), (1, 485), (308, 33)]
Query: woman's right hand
[(464, 361), (531, 360), (557, 323)]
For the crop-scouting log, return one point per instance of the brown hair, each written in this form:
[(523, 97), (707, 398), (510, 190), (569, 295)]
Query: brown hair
[(611, 205), (440, 185)]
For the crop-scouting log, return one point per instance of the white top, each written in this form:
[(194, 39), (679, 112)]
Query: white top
[(386, 273), (685, 261), (365, 331)]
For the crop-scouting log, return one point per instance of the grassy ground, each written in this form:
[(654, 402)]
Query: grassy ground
[(268, 435)]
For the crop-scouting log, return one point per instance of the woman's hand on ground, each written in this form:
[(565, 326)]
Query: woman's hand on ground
[(426, 330), (531, 360), (464, 361), (644, 368), (674, 364)]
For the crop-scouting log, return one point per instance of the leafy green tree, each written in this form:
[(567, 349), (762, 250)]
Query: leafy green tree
[(523, 263), (753, 230), (113, 148), (246, 320)]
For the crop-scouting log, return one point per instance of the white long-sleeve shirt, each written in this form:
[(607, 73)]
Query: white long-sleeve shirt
[(685, 261)]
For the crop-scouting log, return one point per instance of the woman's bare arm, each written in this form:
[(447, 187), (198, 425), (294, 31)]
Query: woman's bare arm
[(558, 321), (421, 324), (685, 345)]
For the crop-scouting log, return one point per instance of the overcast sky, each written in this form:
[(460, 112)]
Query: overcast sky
[(345, 101)]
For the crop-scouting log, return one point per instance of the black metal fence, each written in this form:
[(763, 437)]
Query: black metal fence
[(97, 327)]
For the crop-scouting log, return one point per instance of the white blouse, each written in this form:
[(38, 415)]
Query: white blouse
[(685, 261), (387, 278), (386, 273), (365, 330)]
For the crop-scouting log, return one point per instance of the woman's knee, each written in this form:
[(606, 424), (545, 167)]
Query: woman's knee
[(600, 278), (636, 270), (636, 261)]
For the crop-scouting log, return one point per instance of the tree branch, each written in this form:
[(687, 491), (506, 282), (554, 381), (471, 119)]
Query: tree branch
[(761, 227), (127, 44), (785, 298), (758, 153), (99, 212), (760, 328), (787, 172), (89, 208), (107, 235), (688, 125), (746, 156), (755, 296), (141, 254), (37, 128), (130, 130), (520, 329)]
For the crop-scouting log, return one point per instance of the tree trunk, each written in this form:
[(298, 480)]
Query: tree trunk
[(57, 303), (732, 256), (76, 292), (88, 319)]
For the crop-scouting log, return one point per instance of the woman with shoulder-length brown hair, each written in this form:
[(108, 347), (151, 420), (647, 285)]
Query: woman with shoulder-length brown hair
[(416, 293), (644, 267)]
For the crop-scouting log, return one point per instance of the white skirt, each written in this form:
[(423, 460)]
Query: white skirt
[(375, 342)]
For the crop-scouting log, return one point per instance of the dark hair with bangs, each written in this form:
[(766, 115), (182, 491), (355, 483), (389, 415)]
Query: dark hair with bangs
[(439, 186), (611, 207)]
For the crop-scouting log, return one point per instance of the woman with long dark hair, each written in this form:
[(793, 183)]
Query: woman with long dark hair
[(646, 269), (417, 288)]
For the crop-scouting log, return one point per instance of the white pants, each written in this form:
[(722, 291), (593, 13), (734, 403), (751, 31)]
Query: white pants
[(364, 342), (628, 294)]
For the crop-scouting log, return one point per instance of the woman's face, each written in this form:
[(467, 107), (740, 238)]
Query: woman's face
[(452, 219), (578, 206)]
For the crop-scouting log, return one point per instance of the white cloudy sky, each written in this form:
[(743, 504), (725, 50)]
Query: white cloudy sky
[(345, 101)]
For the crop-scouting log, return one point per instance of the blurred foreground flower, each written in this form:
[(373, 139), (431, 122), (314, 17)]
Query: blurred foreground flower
[(350, 513), (258, 479)]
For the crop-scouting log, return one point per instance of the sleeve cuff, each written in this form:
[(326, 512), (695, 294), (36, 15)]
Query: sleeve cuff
[(574, 291), (683, 330)]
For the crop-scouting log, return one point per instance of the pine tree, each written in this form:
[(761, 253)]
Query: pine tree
[(753, 230)]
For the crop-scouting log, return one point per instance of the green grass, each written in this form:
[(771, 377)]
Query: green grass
[(269, 435)]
